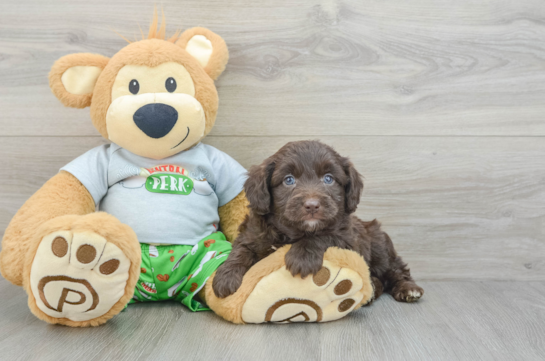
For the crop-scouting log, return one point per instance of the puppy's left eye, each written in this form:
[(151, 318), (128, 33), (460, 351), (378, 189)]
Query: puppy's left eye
[(328, 179), (170, 84), (289, 180)]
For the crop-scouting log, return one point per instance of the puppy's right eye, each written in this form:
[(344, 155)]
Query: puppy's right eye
[(134, 87), (328, 179), (289, 180)]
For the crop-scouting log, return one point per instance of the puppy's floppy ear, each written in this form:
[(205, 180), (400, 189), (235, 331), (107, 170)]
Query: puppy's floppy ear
[(257, 186), (73, 77), (208, 48), (353, 187)]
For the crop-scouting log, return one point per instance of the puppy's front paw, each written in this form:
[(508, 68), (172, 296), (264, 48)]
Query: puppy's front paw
[(226, 283), (407, 292), (303, 264)]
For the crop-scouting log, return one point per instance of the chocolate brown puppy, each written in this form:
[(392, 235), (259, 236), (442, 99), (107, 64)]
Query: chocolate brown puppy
[(305, 195)]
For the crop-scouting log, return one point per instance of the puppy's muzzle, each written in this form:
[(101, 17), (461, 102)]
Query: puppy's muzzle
[(156, 120)]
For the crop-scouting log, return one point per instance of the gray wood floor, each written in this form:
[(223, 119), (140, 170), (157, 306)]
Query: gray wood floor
[(440, 104), (489, 320)]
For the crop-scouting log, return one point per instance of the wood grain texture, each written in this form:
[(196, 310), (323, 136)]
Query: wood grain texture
[(456, 208), (440, 104), (454, 321), (309, 67)]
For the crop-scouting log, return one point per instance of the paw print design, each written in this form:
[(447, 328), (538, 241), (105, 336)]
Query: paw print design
[(163, 278), (209, 242), (78, 275), (328, 295), (194, 287)]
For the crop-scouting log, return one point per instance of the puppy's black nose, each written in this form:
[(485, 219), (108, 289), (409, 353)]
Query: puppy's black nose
[(155, 120), (312, 205)]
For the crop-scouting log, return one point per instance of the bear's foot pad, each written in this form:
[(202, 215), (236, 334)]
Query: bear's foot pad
[(269, 293), (78, 275), (329, 295)]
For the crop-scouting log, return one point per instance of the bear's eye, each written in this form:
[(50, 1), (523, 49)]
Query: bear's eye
[(170, 84), (134, 87)]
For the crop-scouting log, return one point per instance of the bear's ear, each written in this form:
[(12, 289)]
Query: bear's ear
[(73, 77), (208, 48)]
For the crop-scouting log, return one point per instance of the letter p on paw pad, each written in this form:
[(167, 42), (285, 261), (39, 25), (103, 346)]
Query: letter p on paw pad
[(78, 275)]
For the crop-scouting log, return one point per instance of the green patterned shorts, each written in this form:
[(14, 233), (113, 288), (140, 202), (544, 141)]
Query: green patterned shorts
[(179, 272)]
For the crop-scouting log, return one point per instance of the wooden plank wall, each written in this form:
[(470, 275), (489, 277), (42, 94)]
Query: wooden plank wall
[(440, 104)]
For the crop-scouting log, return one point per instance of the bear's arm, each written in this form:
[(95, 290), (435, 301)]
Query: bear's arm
[(61, 195), (232, 214)]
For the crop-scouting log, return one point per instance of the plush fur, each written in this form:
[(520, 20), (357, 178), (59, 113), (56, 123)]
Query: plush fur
[(104, 225), (220, 56), (232, 214), (230, 308), (63, 64), (61, 195), (64, 204), (151, 53)]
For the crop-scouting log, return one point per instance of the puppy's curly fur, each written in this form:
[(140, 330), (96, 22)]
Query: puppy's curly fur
[(305, 195)]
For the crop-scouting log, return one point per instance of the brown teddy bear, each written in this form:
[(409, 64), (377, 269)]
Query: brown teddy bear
[(162, 196)]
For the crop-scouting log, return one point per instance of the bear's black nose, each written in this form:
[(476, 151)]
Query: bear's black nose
[(156, 120)]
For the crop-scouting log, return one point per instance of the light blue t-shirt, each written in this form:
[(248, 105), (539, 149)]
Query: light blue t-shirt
[(171, 201)]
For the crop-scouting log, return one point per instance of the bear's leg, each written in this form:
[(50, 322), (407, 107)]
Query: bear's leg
[(269, 293), (60, 196), (81, 270)]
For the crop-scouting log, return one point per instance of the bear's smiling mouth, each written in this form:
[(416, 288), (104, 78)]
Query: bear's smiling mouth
[(182, 139)]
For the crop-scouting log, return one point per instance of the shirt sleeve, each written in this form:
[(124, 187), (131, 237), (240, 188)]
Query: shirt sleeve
[(91, 169), (230, 175)]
